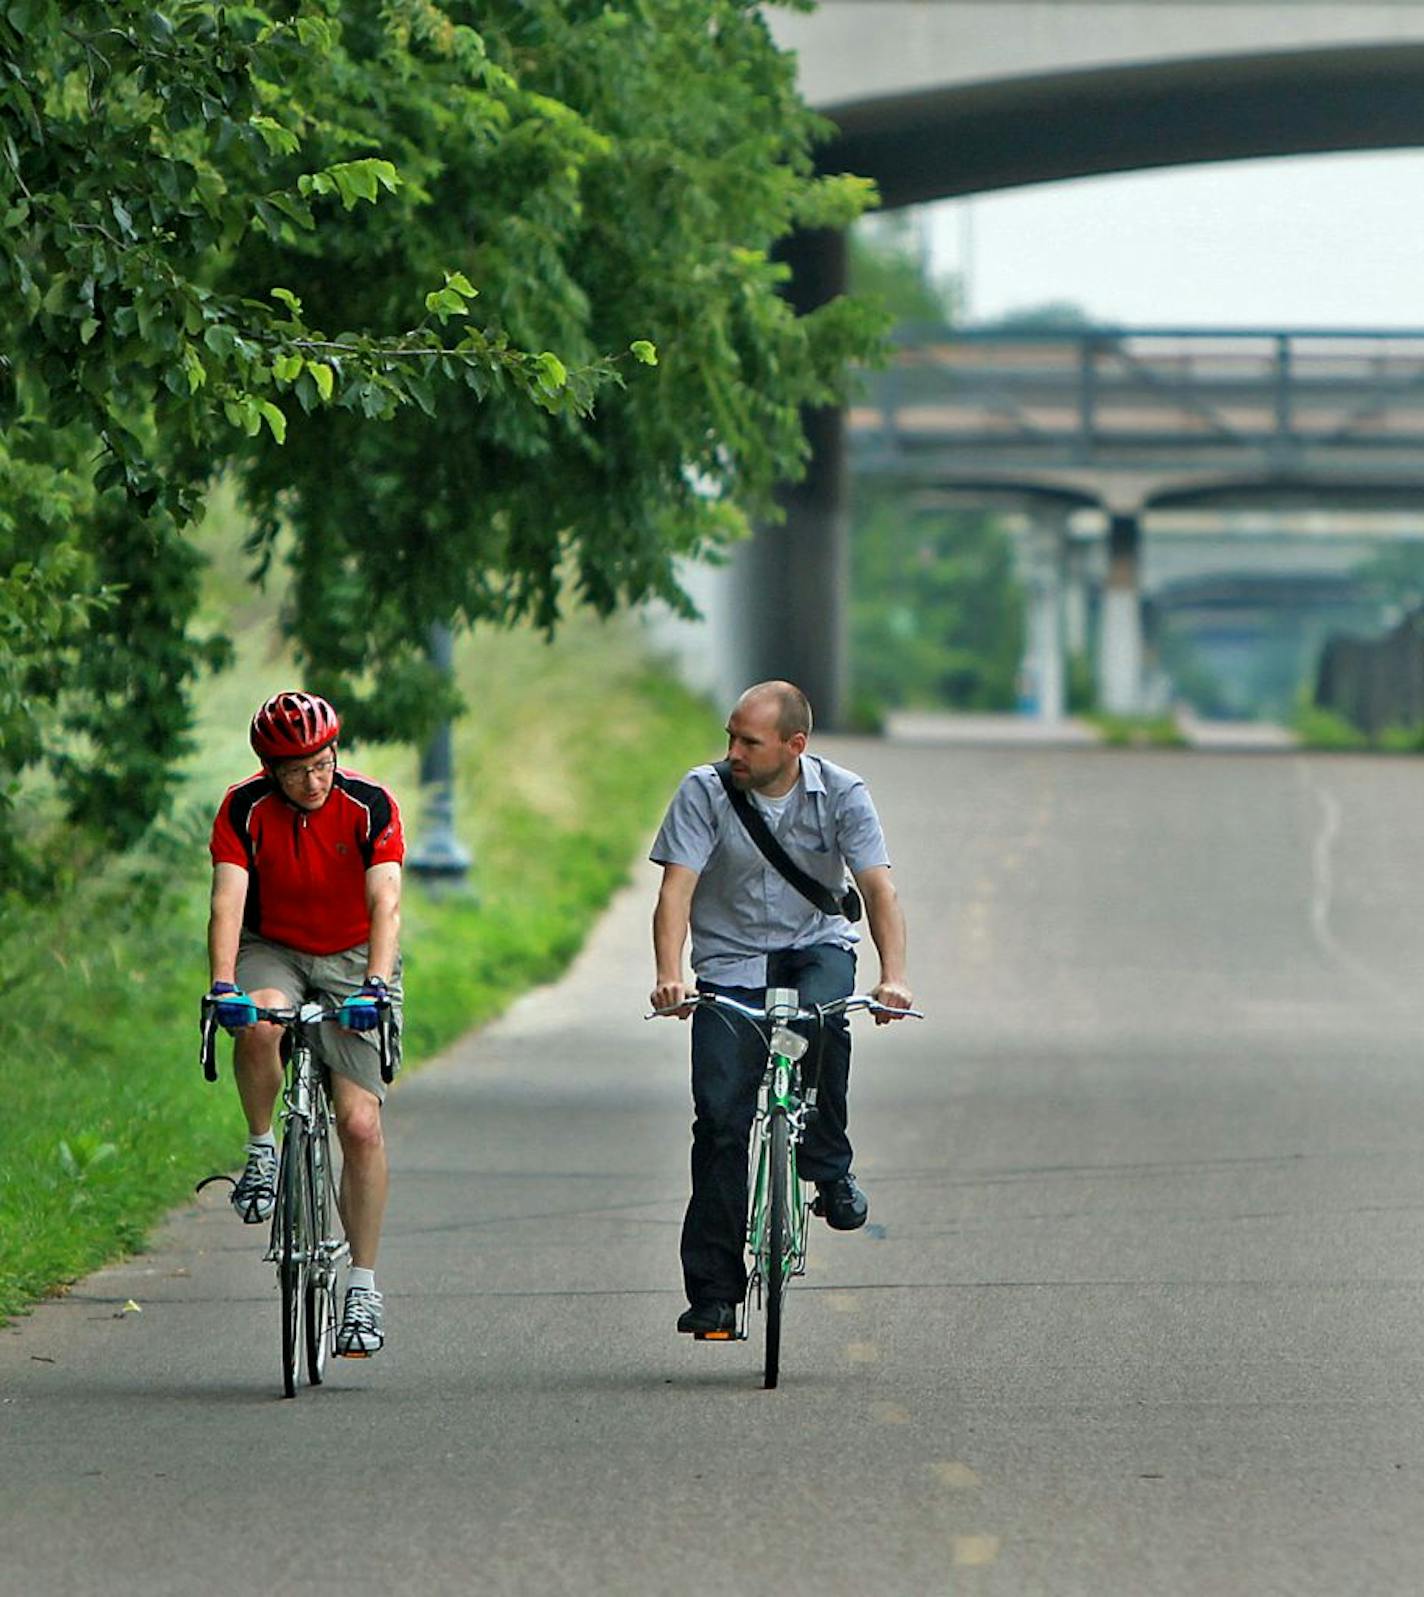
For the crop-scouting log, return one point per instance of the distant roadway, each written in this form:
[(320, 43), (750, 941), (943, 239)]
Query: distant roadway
[(1139, 1313)]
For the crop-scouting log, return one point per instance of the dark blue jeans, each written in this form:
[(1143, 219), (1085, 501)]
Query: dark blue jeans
[(727, 1064)]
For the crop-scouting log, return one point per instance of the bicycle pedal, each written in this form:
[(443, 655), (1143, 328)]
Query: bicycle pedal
[(714, 1336)]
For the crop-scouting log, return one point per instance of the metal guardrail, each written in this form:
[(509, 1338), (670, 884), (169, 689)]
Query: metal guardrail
[(1105, 397)]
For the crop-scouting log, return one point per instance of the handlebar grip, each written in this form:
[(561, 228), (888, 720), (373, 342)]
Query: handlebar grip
[(207, 1052)]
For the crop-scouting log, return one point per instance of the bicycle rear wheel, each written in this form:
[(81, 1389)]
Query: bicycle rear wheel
[(778, 1267), (292, 1248), (319, 1298)]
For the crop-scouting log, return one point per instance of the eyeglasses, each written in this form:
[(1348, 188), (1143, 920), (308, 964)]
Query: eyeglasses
[(296, 773)]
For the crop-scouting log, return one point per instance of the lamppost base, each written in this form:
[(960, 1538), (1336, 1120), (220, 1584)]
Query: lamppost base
[(442, 864)]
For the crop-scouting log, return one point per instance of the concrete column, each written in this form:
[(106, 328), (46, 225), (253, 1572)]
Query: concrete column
[(793, 581), (1120, 629), (1075, 598), (1044, 576)]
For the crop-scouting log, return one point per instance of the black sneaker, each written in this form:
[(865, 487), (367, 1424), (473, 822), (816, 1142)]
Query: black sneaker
[(841, 1204), (715, 1320)]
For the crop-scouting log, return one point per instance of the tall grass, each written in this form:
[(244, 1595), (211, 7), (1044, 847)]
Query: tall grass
[(563, 765)]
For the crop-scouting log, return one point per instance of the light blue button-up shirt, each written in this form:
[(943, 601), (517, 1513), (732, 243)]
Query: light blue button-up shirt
[(743, 908)]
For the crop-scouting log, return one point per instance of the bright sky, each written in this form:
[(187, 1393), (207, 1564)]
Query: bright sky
[(1315, 241)]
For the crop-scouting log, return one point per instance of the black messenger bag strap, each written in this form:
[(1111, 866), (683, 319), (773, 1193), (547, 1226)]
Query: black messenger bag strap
[(765, 839)]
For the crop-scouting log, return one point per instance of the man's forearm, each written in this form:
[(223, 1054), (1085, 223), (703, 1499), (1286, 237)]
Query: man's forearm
[(385, 939), (224, 929), (887, 931), (670, 921)]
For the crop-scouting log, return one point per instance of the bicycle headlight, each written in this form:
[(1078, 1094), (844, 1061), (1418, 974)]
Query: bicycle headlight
[(785, 1041)]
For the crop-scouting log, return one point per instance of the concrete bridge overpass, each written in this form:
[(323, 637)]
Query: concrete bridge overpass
[(1129, 420), (935, 98)]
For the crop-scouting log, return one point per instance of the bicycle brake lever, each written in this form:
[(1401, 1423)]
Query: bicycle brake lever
[(207, 1049)]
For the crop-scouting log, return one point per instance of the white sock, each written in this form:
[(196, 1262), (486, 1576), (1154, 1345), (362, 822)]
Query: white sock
[(262, 1139), (359, 1277)]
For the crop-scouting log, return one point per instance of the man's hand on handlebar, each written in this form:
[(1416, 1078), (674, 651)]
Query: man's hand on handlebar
[(894, 995), (232, 1007), (670, 996), (362, 1010)]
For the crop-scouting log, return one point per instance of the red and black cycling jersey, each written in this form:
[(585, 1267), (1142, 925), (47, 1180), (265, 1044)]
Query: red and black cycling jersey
[(307, 868)]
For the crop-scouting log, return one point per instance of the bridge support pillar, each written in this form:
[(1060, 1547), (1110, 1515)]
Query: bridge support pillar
[(793, 581), (1075, 599), (1120, 628), (1045, 617)]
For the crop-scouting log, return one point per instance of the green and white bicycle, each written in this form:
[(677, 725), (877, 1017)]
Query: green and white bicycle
[(778, 1201)]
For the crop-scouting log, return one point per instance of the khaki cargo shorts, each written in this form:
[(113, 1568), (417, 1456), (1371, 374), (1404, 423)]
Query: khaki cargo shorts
[(328, 980)]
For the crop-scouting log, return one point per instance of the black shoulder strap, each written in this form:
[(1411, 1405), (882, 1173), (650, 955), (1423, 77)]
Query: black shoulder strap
[(765, 839)]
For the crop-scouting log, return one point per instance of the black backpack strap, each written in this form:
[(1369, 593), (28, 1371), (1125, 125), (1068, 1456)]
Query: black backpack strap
[(765, 839)]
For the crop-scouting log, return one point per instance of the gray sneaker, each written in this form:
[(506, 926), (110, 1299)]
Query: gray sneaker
[(361, 1333), (256, 1189)]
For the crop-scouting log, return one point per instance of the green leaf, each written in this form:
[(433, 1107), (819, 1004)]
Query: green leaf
[(323, 377), (444, 303), (644, 351), (550, 372), (276, 421), (279, 140)]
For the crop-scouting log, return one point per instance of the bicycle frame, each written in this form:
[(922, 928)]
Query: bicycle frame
[(305, 1100), (780, 1094), (301, 1244)]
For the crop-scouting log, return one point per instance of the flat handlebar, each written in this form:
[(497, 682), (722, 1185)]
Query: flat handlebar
[(836, 1006), (288, 1017)]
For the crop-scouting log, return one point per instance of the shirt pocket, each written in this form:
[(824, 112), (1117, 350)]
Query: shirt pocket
[(806, 836)]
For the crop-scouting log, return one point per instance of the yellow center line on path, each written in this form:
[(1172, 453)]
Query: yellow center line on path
[(863, 1353), (843, 1302), (890, 1414), (957, 1476), (975, 1552)]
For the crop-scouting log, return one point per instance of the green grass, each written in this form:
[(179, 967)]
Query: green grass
[(1138, 731), (564, 763)]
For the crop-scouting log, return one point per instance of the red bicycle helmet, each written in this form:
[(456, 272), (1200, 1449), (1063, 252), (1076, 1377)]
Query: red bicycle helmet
[(292, 725)]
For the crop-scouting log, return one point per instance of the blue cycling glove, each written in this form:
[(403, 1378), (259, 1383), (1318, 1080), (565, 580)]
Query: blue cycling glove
[(234, 1008), (362, 1011)]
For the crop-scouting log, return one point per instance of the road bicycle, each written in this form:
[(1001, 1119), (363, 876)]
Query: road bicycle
[(779, 1203), (303, 1244)]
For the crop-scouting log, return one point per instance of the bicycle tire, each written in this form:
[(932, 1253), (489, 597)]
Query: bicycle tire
[(291, 1272), (319, 1298), (778, 1220)]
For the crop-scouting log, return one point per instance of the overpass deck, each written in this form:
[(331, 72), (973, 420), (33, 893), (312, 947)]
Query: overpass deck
[(1190, 406)]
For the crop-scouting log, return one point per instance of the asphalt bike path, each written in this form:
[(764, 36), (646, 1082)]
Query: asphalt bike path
[(1139, 1309)]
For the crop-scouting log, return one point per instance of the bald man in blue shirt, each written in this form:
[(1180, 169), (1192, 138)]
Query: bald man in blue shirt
[(751, 929)]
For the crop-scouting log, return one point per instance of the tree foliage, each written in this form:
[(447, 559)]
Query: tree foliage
[(475, 301), (937, 618), (889, 264), (630, 199)]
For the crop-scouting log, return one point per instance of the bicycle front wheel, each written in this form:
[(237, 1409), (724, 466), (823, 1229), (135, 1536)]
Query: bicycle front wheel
[(778, 1241), (319, 1298), (293, 1230)]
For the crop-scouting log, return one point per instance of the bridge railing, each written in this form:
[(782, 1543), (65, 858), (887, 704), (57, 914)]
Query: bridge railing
[(1083, 395)]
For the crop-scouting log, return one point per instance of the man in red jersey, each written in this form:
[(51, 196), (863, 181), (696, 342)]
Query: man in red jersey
[(306, 908)]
